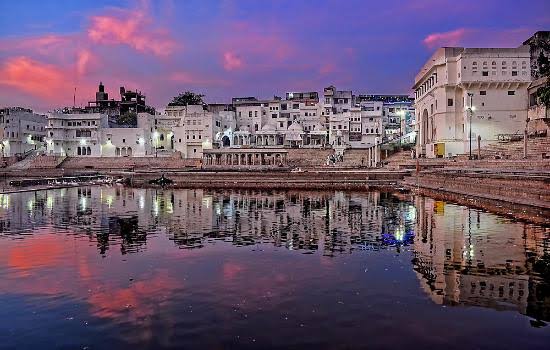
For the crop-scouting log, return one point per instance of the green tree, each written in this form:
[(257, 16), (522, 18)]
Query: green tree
[(187, 98)]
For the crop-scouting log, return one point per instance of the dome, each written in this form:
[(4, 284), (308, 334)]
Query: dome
[(295, 127), (268, 127)]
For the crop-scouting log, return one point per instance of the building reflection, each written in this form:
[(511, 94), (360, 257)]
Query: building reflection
[(461, 256), (466, 257)]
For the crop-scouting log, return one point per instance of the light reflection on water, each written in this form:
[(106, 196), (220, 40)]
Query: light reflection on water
[(106, 267)]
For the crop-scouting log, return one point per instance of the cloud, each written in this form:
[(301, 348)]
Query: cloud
[(83, 58), (37, 78), (451, 38), (194, 79), (131, 28), (231, 61), (260, 45)]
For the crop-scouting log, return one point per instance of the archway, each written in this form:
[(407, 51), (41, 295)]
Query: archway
[(226, 142), (129, 151)]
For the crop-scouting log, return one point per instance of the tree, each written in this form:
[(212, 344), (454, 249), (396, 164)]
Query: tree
[(128, 119), (187, 98), (543, 92)]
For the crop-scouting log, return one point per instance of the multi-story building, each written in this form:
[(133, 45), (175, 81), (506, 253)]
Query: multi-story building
[(21, 131), (493, 82), (337, 101), (89, 134), (77, 134)]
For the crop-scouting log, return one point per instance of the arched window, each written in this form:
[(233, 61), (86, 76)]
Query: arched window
[(474, 63), (78, 151), (89, 151), (494, 63)]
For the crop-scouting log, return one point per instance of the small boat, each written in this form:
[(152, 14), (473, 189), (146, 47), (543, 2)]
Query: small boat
[(161, 181)]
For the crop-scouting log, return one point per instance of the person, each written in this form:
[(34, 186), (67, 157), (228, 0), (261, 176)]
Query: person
[(362, 161)]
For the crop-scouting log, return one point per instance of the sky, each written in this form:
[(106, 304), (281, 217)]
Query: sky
[(233, 48)]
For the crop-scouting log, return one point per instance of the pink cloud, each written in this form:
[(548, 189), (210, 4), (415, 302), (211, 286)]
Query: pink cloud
[(83, 58), (49, 82), (132, 28), (194, 79), (36, 78), (327, 68), (260, 45), (451, 38), (231, 61)]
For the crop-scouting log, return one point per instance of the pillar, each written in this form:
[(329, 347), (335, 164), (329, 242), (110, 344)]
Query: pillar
[(376, 151)]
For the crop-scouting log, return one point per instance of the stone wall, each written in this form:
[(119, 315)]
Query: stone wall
[(127, 163)]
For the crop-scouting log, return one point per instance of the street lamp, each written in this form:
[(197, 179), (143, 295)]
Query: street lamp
[(471, 110), (401, 114)]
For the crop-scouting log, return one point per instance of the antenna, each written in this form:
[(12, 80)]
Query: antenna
[(74, 97)]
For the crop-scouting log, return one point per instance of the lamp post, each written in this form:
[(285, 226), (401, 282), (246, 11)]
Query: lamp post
[(470, 113)]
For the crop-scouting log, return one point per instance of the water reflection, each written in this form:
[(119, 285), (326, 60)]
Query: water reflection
[(111, 250), (466, 257)]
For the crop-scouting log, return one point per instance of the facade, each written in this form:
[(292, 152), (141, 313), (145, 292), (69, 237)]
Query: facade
[(21, 131), (497, 81), (89, 135)]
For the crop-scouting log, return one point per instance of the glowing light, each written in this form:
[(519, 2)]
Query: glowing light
[(109, 201), (83, 203), (82, 141), (155, 135), (141, 202), (4, 201), (156, 207), (30, 205), (141, 141), (49, 202)]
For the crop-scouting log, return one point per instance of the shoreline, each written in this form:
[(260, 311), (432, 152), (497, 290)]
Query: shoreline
[(500, 193)]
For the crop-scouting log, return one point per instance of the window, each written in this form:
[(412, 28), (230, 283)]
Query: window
[(450, 102), (123, 140), (483, 93), (274, 115), (511, 93), (250, 114), (514, 73), (485, 73)]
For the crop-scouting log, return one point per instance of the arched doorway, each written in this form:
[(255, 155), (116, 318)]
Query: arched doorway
[(226, 142), (129, 151)]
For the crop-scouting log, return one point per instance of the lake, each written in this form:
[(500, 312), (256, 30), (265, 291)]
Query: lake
[(129, 268)]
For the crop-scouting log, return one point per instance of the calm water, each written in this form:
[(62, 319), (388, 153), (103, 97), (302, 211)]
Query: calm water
[(115, 268)]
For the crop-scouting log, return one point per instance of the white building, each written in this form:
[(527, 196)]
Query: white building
[(497, 80), (21, 131), (89, 134)]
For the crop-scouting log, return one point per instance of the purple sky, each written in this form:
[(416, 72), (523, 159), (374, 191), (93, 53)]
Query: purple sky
[(239, 48)]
